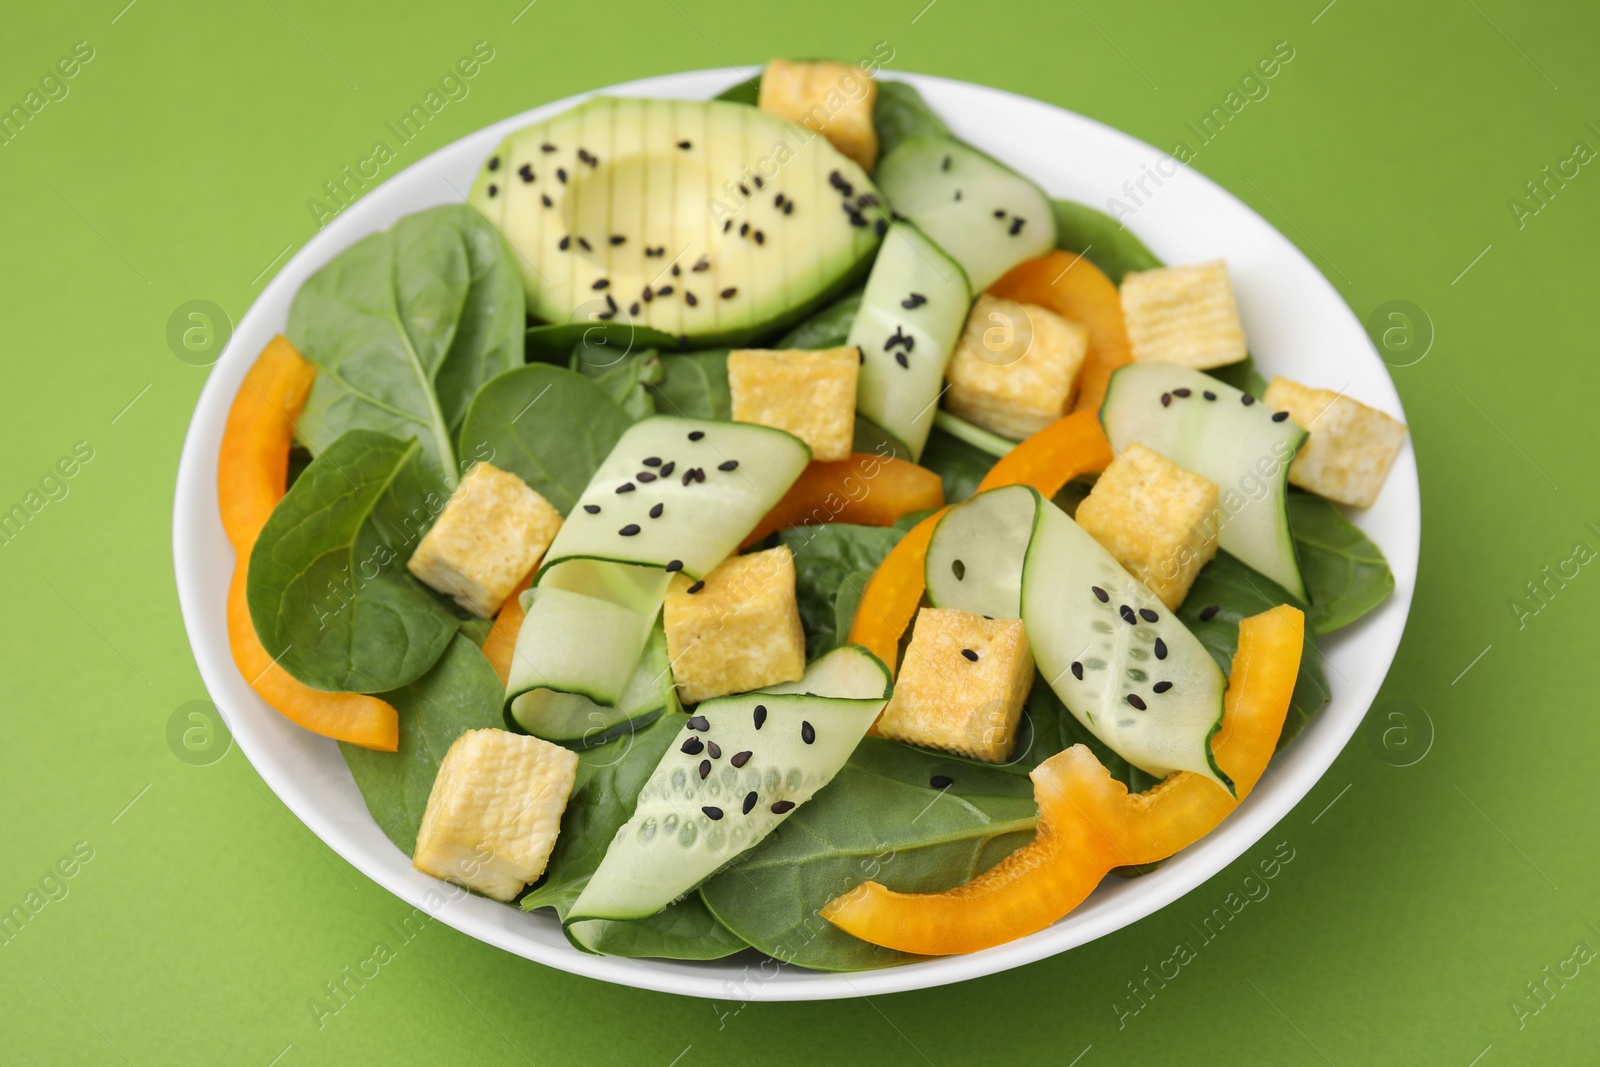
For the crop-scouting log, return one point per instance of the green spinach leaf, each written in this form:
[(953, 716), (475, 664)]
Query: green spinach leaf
[(553, 342), (826, 556), (328, 588), (1101, 239), (900, 114), (694, 385), (744, 92), (460, 693), (959, 465), (880, 819), (1243, 376), (607, 790), (828, 328), (1237, 592), (622, 378), (405, 326), (549, 425), (686, 930), (1345, 572)]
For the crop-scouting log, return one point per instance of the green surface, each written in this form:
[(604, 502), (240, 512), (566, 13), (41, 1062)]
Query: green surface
[(1415, 909)]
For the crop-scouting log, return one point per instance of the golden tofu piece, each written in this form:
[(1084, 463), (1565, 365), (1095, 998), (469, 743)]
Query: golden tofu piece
[(811, 394), (495, 810), (738, 630), (962, 685), (1013, 369), (1159, 520), (833, 99), (1183, 315), (1350, 448), (493, 531)]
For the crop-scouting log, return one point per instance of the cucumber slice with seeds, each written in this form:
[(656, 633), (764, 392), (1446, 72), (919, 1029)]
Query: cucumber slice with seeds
[(848, 671)]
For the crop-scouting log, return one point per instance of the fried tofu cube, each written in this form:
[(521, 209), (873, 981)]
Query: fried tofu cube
[(833, 99), (811, 394), (1159, 520), (962, 685), (1350, 448), (495, 810), (738, 629), (493, 531), (1013, 369), (1183, 315)]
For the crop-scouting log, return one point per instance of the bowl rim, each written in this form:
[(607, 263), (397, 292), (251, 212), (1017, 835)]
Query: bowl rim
[(199, 548)]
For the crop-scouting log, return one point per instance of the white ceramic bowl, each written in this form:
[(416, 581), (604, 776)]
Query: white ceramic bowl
[(1297, 324)]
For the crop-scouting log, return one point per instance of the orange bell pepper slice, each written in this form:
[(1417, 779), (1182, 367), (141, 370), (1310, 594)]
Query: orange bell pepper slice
[(1076, 289), (1088, 822), (500, 647), (252, 473), (865, 489), (1047, 461)]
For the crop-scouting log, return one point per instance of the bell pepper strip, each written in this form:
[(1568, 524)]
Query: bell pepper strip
[(1089, 823), (500, 647), (252, 475), (865, 489), (1075, 288), (1047, 461)]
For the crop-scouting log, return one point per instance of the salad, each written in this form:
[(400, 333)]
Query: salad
[(770, 523)]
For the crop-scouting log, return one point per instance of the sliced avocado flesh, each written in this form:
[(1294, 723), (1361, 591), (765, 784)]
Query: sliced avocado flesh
[(711, 222), (911, 316), (1223, 434), (735, 771), (674, 494), (985, 215), (1124, 665)]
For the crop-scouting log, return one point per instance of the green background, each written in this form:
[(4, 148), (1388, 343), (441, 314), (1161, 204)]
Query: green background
[(1417, 906)]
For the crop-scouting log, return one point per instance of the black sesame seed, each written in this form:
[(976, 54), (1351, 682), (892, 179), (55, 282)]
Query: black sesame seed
[(633, 308), (494, 162), (972, 657), (493, 188), (900, 358), (655, 510), (695, 435), (758, 182), (645, 476), (693, 747), (836, 180), (666, 472), (1105, 598), (742, 190), (880, 227), (1209, 395), (744, 229), (1161, 649), (665, 290), (651, 461), (1166, 400), (788, 207), (583, 155), (1247, 400), (611, 303), (739, 759), (1077, 670), (861, 357), (648, 294), (730, 292), (565, 243), (617, 238), (808, 733), (675, 270), (696, 587), (712, 813), (626, 487), (941, 781), (713, 750), (959, 569), (1127, 614), (1208, 611), (601, 283), (1133, 698), (727, 225), (525, 172), (547, 201), (705, 770), (999, 212), (1148, 616), (701, 264), (958, 194), (690, 299), (749, 801), (629, 530), (760, 715), (915, 300), (606, 316), (561, 175), (945, 163), (683, 340), (760, 237), (584, 244), (777, 201), (547, 147), (727, 465), (593, 509), (674, 566), (782, 807), (1016, 226), (1162, 687), (1279, 416), (685, 145), (1180, 392)]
